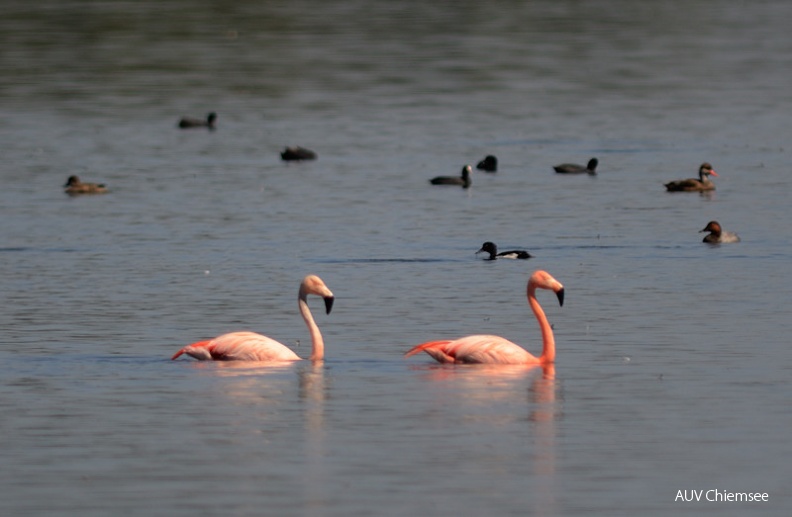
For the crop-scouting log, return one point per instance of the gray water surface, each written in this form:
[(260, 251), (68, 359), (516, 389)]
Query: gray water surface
[(673, 367)]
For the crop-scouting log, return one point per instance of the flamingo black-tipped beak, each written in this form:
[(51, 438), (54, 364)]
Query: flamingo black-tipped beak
[(329, 303), (560, 296)]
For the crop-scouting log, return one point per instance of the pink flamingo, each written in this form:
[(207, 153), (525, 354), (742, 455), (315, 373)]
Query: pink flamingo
[(249, 346), (495, 349)]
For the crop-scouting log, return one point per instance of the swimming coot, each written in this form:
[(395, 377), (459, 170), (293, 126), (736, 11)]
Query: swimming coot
[(574, 168), (488, 164), (463, 181), (190, 123), (297, 153)]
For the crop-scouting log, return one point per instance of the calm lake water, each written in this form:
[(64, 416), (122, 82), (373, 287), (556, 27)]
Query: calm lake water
[(674, 369)]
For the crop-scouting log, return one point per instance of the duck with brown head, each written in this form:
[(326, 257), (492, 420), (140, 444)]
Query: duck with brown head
[(75, 187), (718, 235)]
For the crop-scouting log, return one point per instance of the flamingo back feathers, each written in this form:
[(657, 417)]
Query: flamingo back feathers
[(476, 349), (239, 346)]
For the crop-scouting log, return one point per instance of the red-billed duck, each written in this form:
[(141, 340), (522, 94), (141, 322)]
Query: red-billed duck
[(574, 168), (692, 184), (717, 235), (297, 153), (492, 249), (189, 122), (463, 181), (488, 164)]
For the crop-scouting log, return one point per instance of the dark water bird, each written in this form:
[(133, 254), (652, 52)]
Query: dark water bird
[(574, 168), (703, 183), (718, 235), (463, 180), (74, 187), (297, 153), (190, 122), (492, 249), (488, 164)]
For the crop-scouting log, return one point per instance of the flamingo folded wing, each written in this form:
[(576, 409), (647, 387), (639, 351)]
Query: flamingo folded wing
[(477, 349)]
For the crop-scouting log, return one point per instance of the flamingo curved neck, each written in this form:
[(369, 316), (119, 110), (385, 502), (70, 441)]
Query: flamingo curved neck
[(317, 343), (548, 339)]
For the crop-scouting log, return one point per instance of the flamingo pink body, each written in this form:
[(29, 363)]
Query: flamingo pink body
[(490, 349), (249, 346)]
